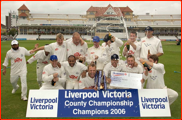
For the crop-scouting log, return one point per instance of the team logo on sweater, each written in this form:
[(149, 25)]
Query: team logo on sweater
[(77, 73), (77, 54), (56, 49), (147, 44), (131, 52), (143, 41), (153, 77), (81, 50), (73, 77), (45, 62), (17, 60), (21, 55), (63, 46)]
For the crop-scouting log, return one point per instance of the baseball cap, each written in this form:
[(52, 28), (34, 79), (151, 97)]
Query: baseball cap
[(14, 42), (96, 39), (53, 57), (148, 28), (114, 56), (106, 38)]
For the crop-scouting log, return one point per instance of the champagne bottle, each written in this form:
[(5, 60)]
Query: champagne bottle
[(146, 65), (110, 36), (80, 61), (53, 83), (148, 52), (128, 46)]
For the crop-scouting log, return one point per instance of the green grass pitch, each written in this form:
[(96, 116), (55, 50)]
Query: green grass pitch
[(12, 107)]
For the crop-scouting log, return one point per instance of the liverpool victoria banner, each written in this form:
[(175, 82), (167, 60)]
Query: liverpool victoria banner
[(91, 103)]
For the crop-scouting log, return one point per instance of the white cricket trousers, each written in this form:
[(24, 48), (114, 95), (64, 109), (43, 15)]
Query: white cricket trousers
[(39, 71), (172, 95), (72, 84), (23, 78)]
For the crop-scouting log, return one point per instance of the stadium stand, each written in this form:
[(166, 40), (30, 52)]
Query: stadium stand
[(57, 15), (162, 23), (120, 35), (168, 38), (161, 17), (177, 22), (90, 22), (39, 22), (59, 22), (65, 16), (141, 34), (144, 17), (26, 37), (47, 37), (147, 23), (51, 24), (76, 22), (86, 37), (22, 21), (33, 15), (129, 23), (67, 36), (176, 16), (74, 16), (140, 22)]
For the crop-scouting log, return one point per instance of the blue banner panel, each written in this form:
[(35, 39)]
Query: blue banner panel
[(91, 103)]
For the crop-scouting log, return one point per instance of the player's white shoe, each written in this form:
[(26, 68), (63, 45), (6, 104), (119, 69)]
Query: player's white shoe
[(24, 98), (14, 90)]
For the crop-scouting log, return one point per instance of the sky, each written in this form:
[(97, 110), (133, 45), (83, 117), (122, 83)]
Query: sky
[(80, 7)]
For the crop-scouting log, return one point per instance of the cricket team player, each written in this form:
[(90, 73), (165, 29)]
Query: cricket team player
[(150, 43), (42, 58), (112, 46), (18, 67), (73, 71), (134, 48), (96, 54), (131, 66), (76, 48), (88, 82), (53, 76), (114, 65), (155, 77), (58, 48)]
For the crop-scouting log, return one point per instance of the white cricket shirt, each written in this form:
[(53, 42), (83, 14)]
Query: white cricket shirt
[(155, 77), (18, 60), (59, 50), (86, 82), (100, 52), (73, 73), (47, 75), (153, 44), (40, 57)]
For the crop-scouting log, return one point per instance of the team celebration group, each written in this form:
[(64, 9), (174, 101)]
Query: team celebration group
[(70, 64)]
